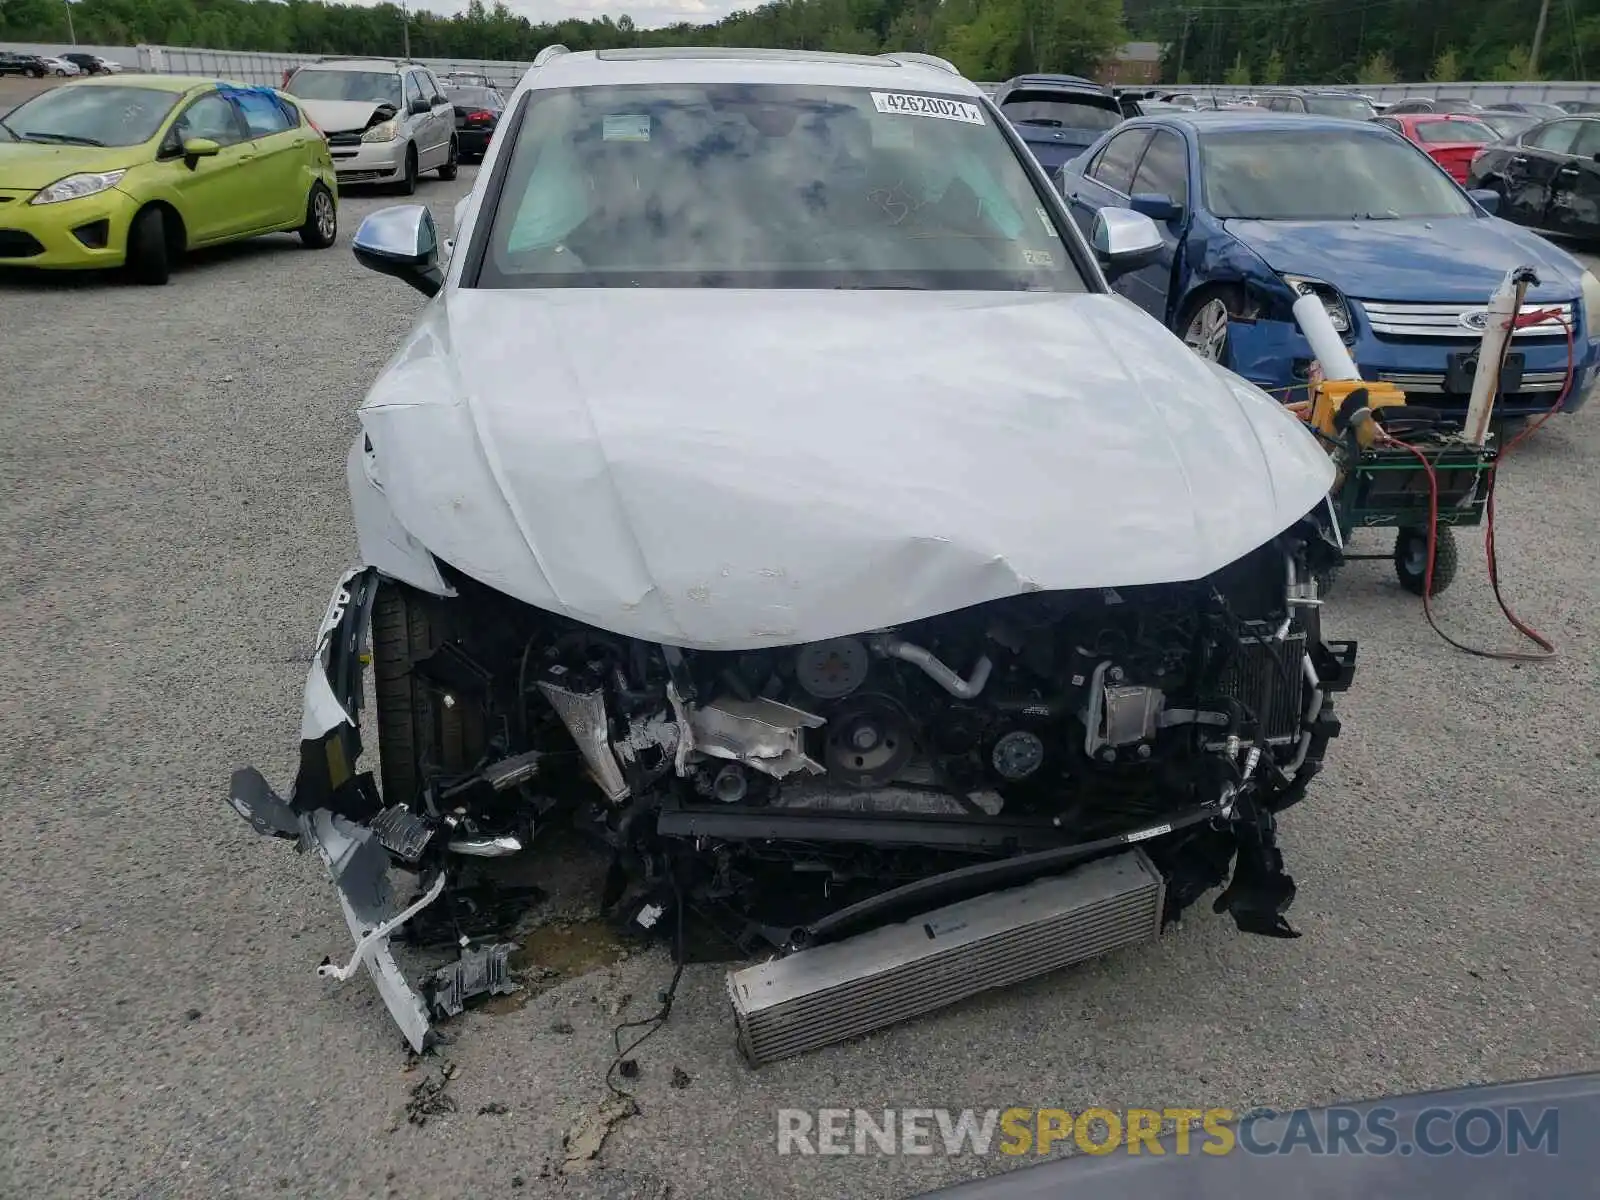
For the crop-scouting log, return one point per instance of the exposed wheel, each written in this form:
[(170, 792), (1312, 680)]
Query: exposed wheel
[(60, 74), (452, 163), (408, 179), (416, 728), (322, 219), (1411, 559), (1203, 326), (149, 260)]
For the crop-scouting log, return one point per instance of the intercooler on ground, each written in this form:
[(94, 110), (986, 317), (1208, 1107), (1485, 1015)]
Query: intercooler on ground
[(823, 995), (1252, 677)]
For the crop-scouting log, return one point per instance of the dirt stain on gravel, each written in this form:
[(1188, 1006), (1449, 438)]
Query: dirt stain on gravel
[(554, 953)]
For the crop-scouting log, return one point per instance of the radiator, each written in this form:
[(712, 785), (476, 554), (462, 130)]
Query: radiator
[(827, 994), (1251, 673)]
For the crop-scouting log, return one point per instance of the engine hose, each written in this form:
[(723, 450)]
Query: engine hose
[(1547, 649)]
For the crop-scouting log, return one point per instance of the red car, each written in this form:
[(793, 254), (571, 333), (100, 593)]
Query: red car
[(1451, 139)]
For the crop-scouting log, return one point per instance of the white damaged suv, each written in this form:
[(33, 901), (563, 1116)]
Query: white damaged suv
[(386, 121), (774, 488)]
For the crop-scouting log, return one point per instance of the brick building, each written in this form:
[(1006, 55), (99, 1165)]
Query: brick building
[(1135, 63)]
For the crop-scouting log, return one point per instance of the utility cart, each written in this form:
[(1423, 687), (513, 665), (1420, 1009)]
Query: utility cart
[(1387, 487), (1405, 467)]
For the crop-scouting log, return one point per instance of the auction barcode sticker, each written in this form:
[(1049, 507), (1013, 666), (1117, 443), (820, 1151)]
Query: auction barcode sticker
[(928, 106)]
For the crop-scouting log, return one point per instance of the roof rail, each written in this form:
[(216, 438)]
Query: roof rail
[(552, 51), (926, 60), (394, 58)]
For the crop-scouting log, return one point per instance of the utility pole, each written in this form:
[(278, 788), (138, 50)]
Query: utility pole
[(405, 24), (1538, 38), (1183, 43), (71, 32)]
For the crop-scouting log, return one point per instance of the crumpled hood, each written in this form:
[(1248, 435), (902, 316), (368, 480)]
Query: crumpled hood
[(337, 116), (29, 166), (727, 469), (1444, 259)]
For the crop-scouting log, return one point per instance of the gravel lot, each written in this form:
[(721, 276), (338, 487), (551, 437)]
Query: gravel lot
[(175, 518)]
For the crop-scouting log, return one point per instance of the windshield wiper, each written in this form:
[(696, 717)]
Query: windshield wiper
[(33, 135), (1048, 122)]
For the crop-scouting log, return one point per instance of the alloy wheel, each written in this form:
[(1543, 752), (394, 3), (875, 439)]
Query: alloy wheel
[(1207, 334)]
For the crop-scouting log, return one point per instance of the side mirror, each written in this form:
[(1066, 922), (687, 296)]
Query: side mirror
[(401, 241), (1157, 207), (1486, 199), (1124, 241), (194, 149), (419, 108)]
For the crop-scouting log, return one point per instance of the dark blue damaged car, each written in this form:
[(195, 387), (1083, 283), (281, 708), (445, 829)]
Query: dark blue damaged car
[(1257, 209)]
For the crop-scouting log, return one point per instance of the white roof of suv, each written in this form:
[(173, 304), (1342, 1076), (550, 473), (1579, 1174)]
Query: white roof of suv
[(726, 65)]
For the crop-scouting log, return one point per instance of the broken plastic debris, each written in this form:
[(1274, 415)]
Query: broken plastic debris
[(473, 974)]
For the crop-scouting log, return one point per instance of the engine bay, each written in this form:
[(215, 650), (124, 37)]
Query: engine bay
[(790, 796)]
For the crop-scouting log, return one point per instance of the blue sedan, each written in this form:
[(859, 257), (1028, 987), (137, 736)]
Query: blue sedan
[(1256, 209)]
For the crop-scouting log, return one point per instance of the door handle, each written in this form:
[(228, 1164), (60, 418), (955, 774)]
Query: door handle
[(1567, 171), (1518, 160)]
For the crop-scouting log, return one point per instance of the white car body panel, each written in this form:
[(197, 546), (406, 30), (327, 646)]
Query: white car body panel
[(723, 469), (334, 116)]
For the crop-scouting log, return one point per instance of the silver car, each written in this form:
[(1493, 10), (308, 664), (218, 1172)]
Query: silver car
[(386, 120)]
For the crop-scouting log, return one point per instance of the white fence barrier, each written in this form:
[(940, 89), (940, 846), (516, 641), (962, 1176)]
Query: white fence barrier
[(253, 66)]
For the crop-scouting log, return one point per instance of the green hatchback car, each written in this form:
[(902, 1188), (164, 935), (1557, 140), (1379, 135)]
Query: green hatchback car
[(130, 172)]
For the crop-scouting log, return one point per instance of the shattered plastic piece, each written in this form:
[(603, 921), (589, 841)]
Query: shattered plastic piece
[(584, 1140), (584, 715), (402, 832), (509, 772), (680, 1078), (474, 973), (372, 938), (762, 733)]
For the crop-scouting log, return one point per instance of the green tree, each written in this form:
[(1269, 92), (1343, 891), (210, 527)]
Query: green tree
[(1238, 75), (1446, 69), (1272, 72), (1377, 69), (1515, 67)]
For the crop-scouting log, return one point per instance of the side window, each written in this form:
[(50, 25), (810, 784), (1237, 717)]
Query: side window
[(1278, 104), (264, 114), (437, 95), (211, 116), (413, 92), (1588, 143), (1557, 137), (1114, 167), (1388, 123), (1164, 169)]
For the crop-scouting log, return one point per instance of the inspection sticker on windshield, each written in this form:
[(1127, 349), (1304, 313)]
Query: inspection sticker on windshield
[(626, 127), (927, 106)]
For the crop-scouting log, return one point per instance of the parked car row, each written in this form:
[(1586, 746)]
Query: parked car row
[(68, 63)]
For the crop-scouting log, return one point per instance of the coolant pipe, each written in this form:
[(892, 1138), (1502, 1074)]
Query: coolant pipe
[(919, 656), (1312, 317)]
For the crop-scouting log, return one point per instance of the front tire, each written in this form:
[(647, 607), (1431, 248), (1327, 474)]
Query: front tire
[(408, 178), (1205, 321), (322, 219), (149, 259), (452, 163), (416, 728)]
